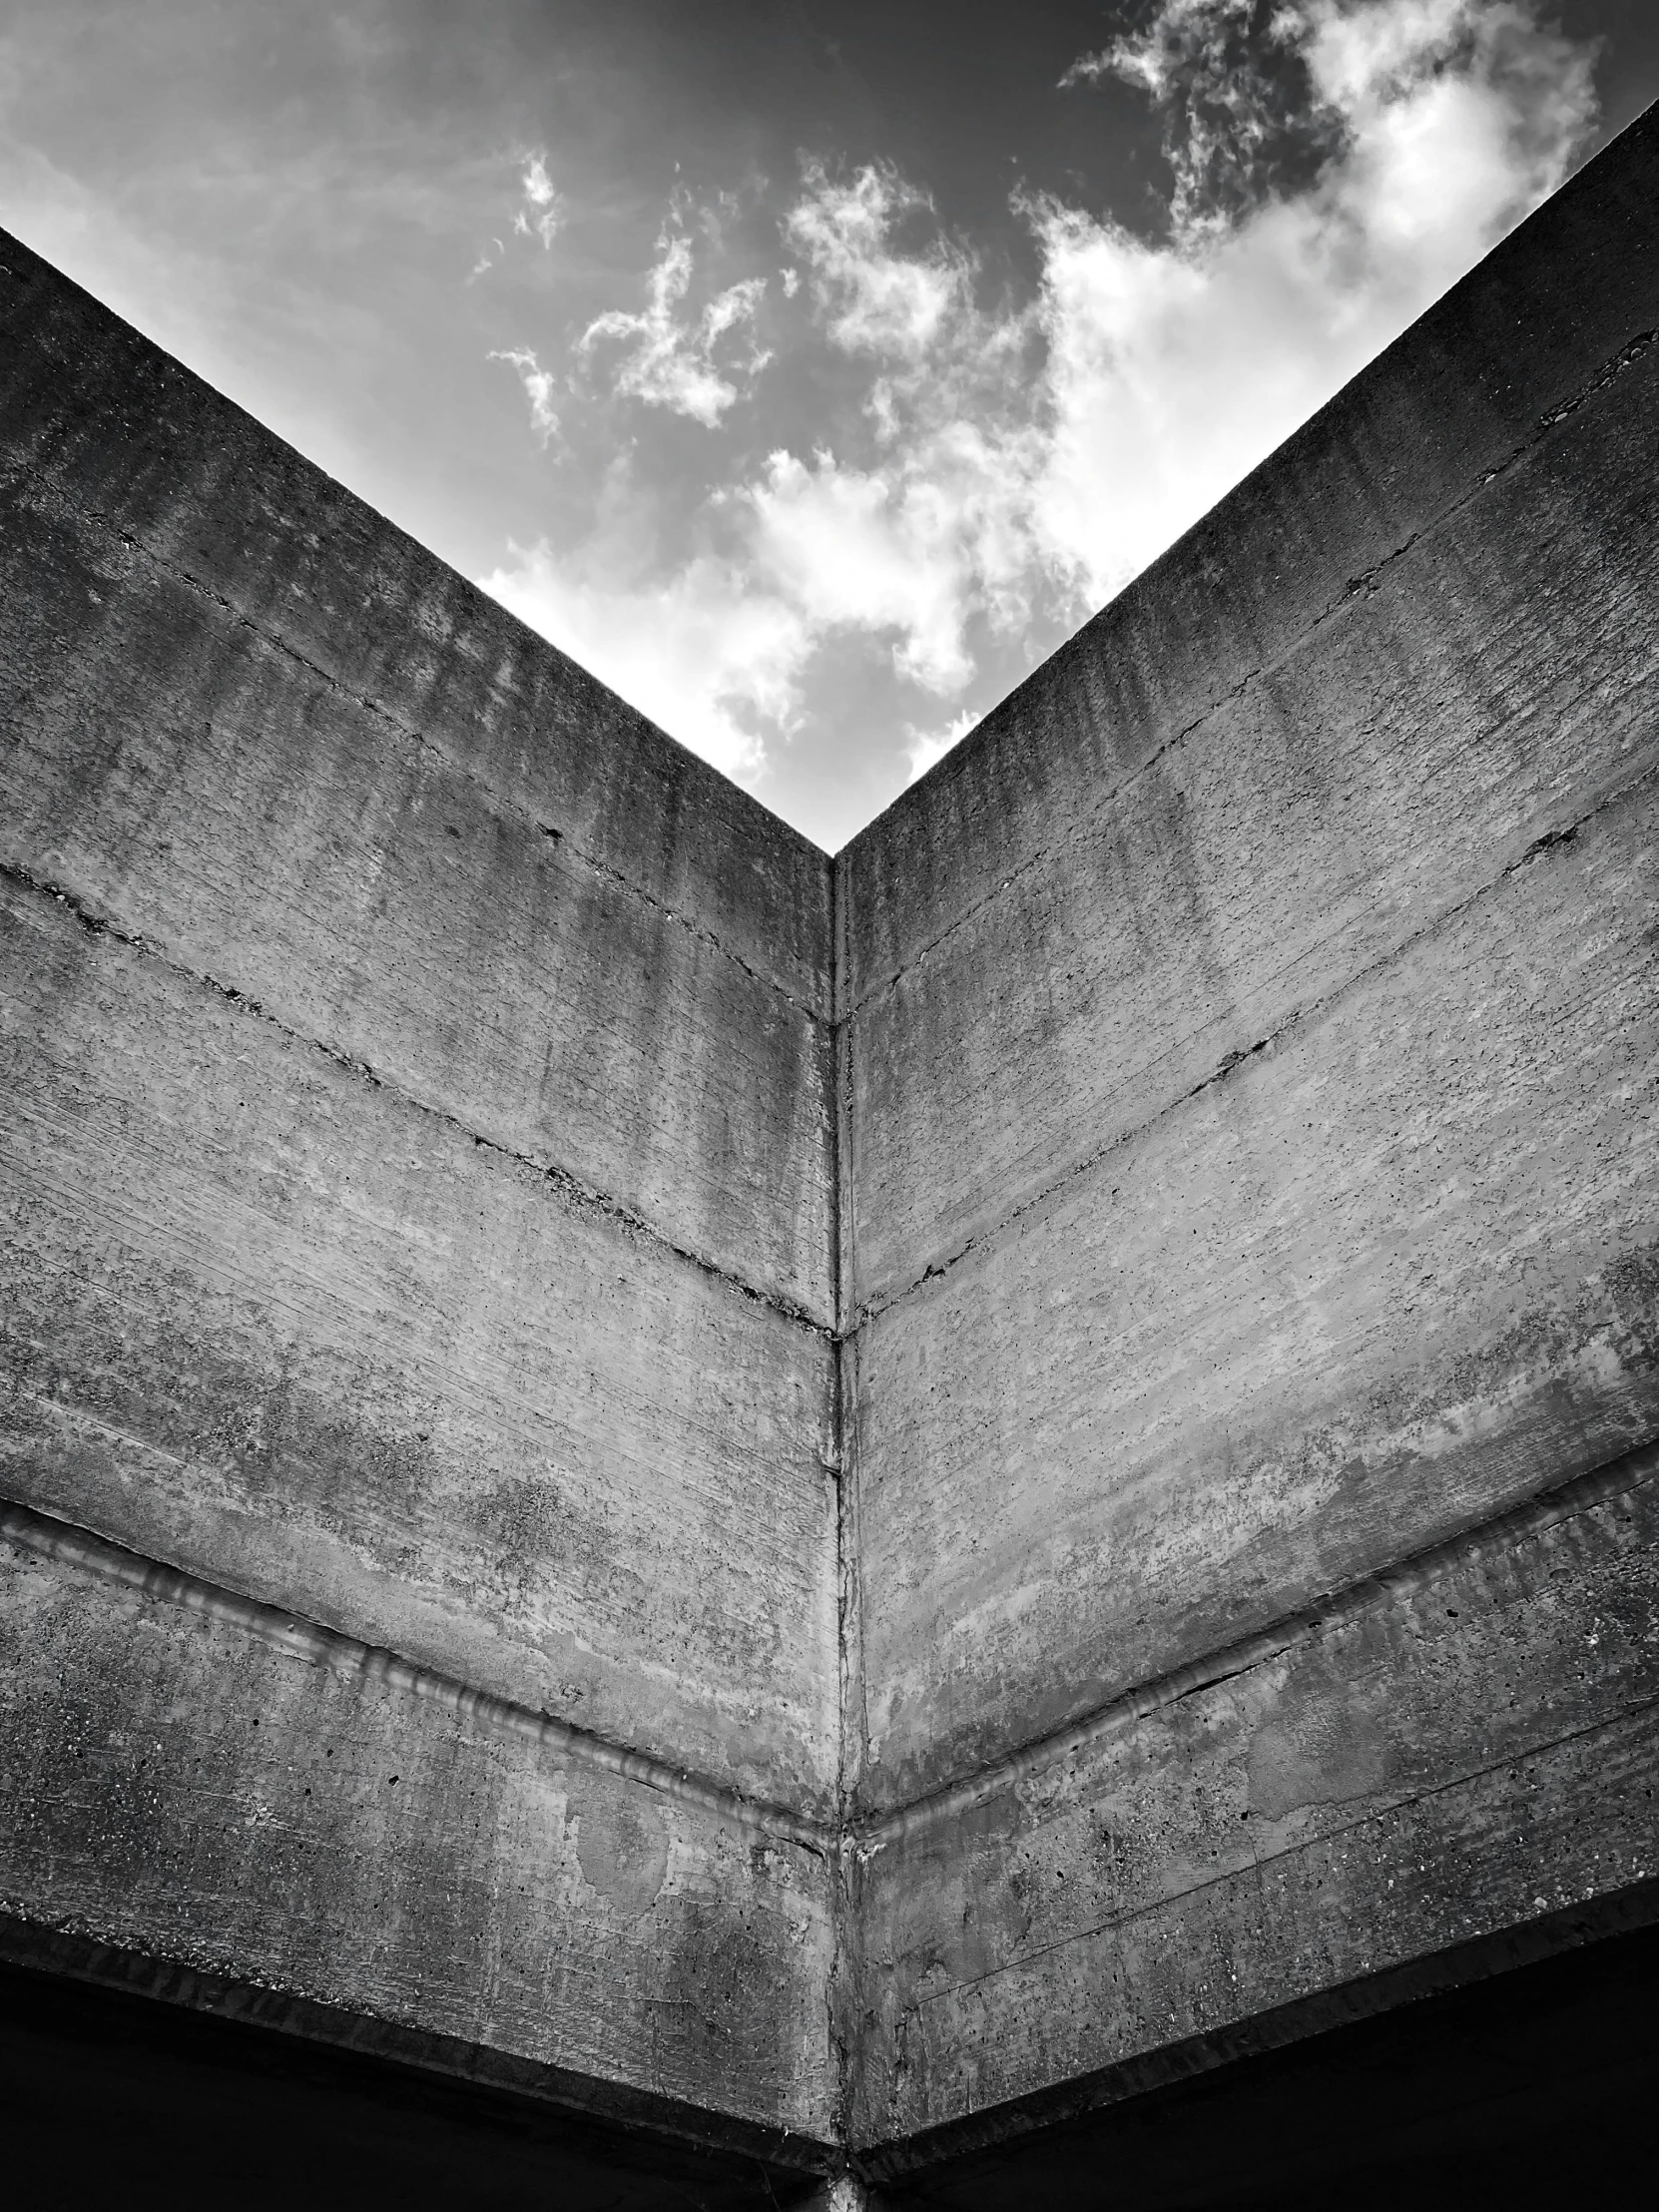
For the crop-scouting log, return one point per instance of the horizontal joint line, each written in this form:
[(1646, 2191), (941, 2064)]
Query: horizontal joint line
[(1357, 586), (418, 737), (49, 1537), (1297, 1018), (581, 1195), (1320, 1616)]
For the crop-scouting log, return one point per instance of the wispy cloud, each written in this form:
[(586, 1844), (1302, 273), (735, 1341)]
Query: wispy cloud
[(1333, 165), (541, 212), (874, 300), (1241, 117), (538, 388), (922, 534), (692, 364)]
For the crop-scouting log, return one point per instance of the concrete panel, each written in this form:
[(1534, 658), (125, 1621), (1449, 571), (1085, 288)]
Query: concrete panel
[(265, 1319), (180, 770), (1503, 2073), (1392, 1273), (110, 430), (1468, 1747), (233, 1793), (1462, 393), (1488, 686)]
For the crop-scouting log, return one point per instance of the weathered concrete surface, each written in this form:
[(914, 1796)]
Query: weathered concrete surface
[(1252, 1066), (1398, 1270), (1484, 687), (107, 432), (1468, 387), (233, 1793), (1465, 1747), (934, 1485), (414, 1218), (265, 1319), (1250, 1162), (251, 722)]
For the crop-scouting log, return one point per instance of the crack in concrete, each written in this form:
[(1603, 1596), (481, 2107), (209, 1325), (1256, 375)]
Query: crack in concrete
[(1357, 586), (580, 1196), (1080, 1169), (47, 1537), (275, 642), (1321, 1616)]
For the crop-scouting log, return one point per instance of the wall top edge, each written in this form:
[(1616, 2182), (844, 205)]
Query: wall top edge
[(96, 416), (1484, 365)]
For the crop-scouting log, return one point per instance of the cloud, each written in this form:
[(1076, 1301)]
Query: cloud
[(542, 210), (1335, 166), (487, 259), (538, 388), (874, 300), (925, 747), (540, 213), (1230, 81), (922, 534), (1029, 462), (709, 657), (1175, 366), (697, 365)]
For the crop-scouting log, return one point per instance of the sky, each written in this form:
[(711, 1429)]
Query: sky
[(809, 373)]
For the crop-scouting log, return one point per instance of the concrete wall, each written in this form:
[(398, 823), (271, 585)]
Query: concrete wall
[(1252, 1043), (416, 1176), (471, 1179)]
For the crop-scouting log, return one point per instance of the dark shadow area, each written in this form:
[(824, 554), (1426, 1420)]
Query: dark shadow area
[(1537, 2086), (114, 2099)]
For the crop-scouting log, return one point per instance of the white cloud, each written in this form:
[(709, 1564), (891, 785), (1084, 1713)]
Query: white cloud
[(854, 548), (1002, 486), (540, 213), (1229, 83), (1013, 466), (928, 747), (876, 301), (542, 210), (1175, 366), (697, 365), (538, 388), (711, 658), (924, 535)]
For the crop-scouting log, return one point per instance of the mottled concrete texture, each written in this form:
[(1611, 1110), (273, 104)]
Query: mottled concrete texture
[(827, 1506), (419, 1416)]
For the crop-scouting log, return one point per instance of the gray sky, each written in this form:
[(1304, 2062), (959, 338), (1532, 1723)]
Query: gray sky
[(806, 371)]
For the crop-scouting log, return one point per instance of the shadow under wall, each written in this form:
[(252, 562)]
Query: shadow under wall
[(111, 2100), (1538, 2087)]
